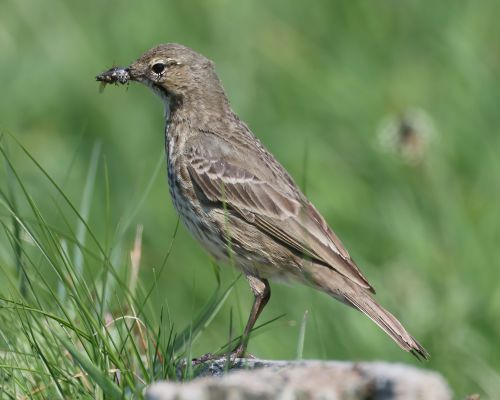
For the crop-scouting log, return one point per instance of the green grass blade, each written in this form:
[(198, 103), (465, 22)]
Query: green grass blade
[(302, 335), (85, 208), (203, 319), (109, 388)]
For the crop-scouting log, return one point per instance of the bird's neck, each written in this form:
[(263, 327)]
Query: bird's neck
[(201, 109), (202, 100), (188, 115)]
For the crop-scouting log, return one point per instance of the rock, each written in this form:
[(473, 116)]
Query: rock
[(287, 380)]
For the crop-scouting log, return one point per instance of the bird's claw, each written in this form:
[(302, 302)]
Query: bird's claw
[(238, 352)]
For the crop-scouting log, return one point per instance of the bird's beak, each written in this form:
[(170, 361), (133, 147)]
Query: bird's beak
[(115, 75)]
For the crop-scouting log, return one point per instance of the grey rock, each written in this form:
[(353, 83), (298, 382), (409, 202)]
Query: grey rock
[(301, 380)]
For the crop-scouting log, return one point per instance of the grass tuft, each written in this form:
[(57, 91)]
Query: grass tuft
[(70, 333)]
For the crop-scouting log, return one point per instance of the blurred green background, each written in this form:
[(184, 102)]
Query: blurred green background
[(321, 84)]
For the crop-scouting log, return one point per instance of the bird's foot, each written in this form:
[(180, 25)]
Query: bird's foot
[(204, 358), (238, 352)]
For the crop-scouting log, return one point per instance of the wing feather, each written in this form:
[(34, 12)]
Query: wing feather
[(275, 206)]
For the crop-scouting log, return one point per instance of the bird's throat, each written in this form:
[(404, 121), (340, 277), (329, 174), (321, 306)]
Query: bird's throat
[(167, 102)]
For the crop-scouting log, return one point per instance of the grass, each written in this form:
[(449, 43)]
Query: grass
[(88, 338), (321, 86), (69, 332)]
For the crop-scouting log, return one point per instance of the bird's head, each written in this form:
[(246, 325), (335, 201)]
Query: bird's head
[(170, 70)]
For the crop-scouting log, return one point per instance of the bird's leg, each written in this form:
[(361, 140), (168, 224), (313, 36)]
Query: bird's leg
[(262, 292)]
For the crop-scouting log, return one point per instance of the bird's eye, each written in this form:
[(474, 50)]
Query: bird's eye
[(158, 68)]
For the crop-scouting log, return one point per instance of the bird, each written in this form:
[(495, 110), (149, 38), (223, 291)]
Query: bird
[(237, 200)]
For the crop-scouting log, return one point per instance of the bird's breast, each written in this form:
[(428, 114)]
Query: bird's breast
[(182, 192), (195, 217)]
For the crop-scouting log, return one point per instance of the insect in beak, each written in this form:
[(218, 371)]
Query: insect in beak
[(113, 75)]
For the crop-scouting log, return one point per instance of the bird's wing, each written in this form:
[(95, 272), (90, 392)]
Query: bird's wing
[(269, 199)]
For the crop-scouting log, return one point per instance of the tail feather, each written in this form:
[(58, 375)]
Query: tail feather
[(388, 323), (359, 297)]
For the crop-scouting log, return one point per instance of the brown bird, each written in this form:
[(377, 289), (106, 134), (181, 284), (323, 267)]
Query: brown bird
[(237, 200)]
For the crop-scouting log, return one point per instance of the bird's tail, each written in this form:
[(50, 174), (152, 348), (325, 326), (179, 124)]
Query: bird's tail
[(365, 303), (362, 300)]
